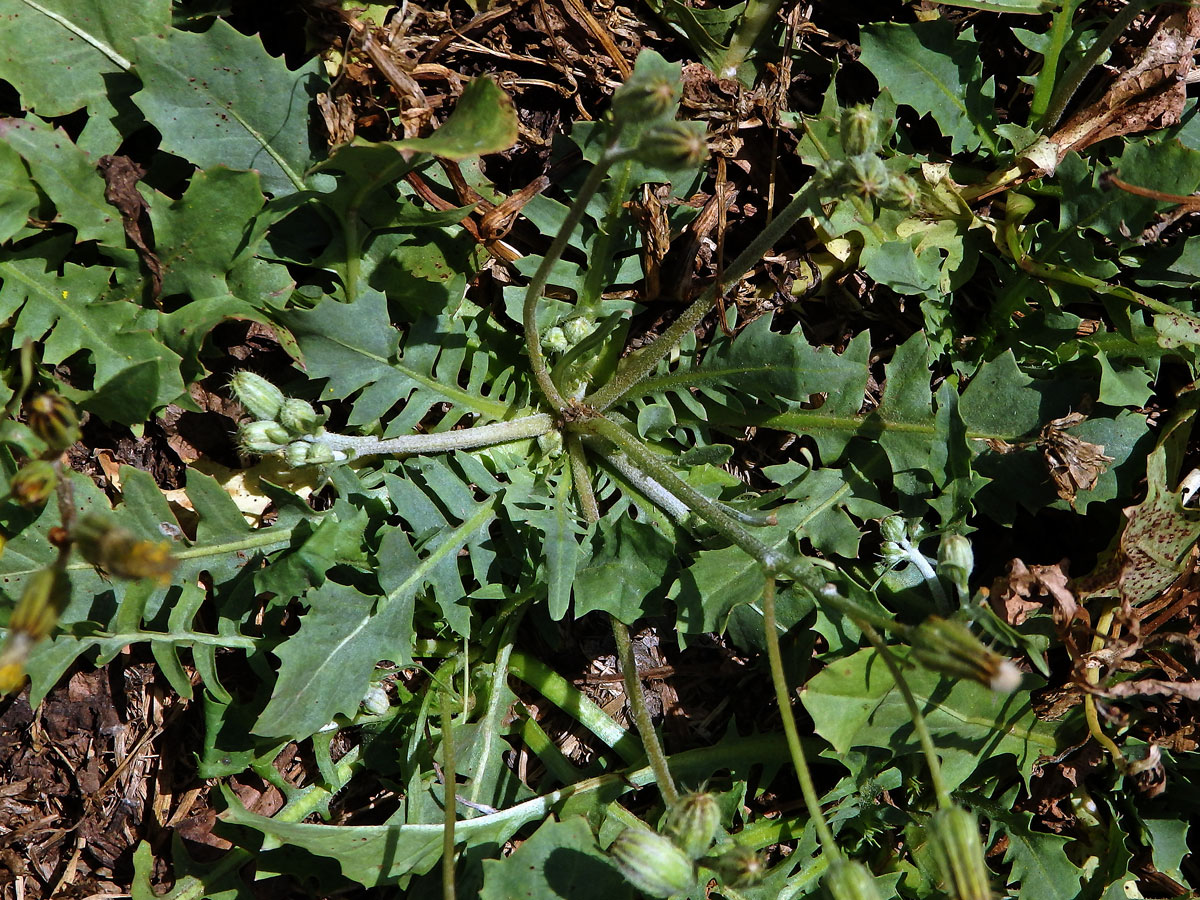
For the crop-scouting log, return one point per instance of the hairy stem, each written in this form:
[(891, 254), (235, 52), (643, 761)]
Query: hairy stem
[(712, 512), (914, 713), (440, 442), (783, 697), (537, 284), (641, 364), (636, 698)]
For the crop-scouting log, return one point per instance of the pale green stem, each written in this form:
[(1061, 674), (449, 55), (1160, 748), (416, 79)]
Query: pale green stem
[(636, 697), (439, 442), (917, 558), (449, 802), (914, 713), (537, 284), (783, 697), (712, 512), (642, 363)]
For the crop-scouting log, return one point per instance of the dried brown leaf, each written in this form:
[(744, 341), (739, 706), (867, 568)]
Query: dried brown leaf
[(1148, 95)]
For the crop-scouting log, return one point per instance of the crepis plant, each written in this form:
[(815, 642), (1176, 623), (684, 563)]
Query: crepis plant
[(580, 403)]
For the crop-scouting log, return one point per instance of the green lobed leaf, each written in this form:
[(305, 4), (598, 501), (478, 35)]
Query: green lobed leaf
[(220, 98), (930, 68), (626, 572), (18, 196), (199, 237), (77, 46), (325, 666), (854, 703), (69, 178), (134, 375)]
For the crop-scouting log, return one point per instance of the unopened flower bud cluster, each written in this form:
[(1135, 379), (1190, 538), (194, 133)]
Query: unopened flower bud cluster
[(665, 864), (863, 172), (282, 424)]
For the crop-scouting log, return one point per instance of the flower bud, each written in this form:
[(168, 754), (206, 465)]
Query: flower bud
[(850, 880), (554, 341), (375, 701), (902, 191), (295, 454), (674, 145), (13, 655), (299, 417), (53, 419), (651, 863), (893, 529), (42, 602), (738, 866), (867, 176), (33, 483), (958, 852), (575, 330), (119, 552), (261, 398), (859, 130), (261, 438), (956, 561), (650, 93), (946, 646), (320, 455), (692, 823)]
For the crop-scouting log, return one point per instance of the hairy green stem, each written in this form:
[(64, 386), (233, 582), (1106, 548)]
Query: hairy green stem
[(636, 697), (914, 713), (581, 479), (537, 284), (1055, 273), (439, 442), (642, 363), (711, 511), (449, 803), (783, 697)]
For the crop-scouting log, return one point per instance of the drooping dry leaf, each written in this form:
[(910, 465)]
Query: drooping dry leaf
[(1026, 588), (1074, 464), (1146, 96)]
